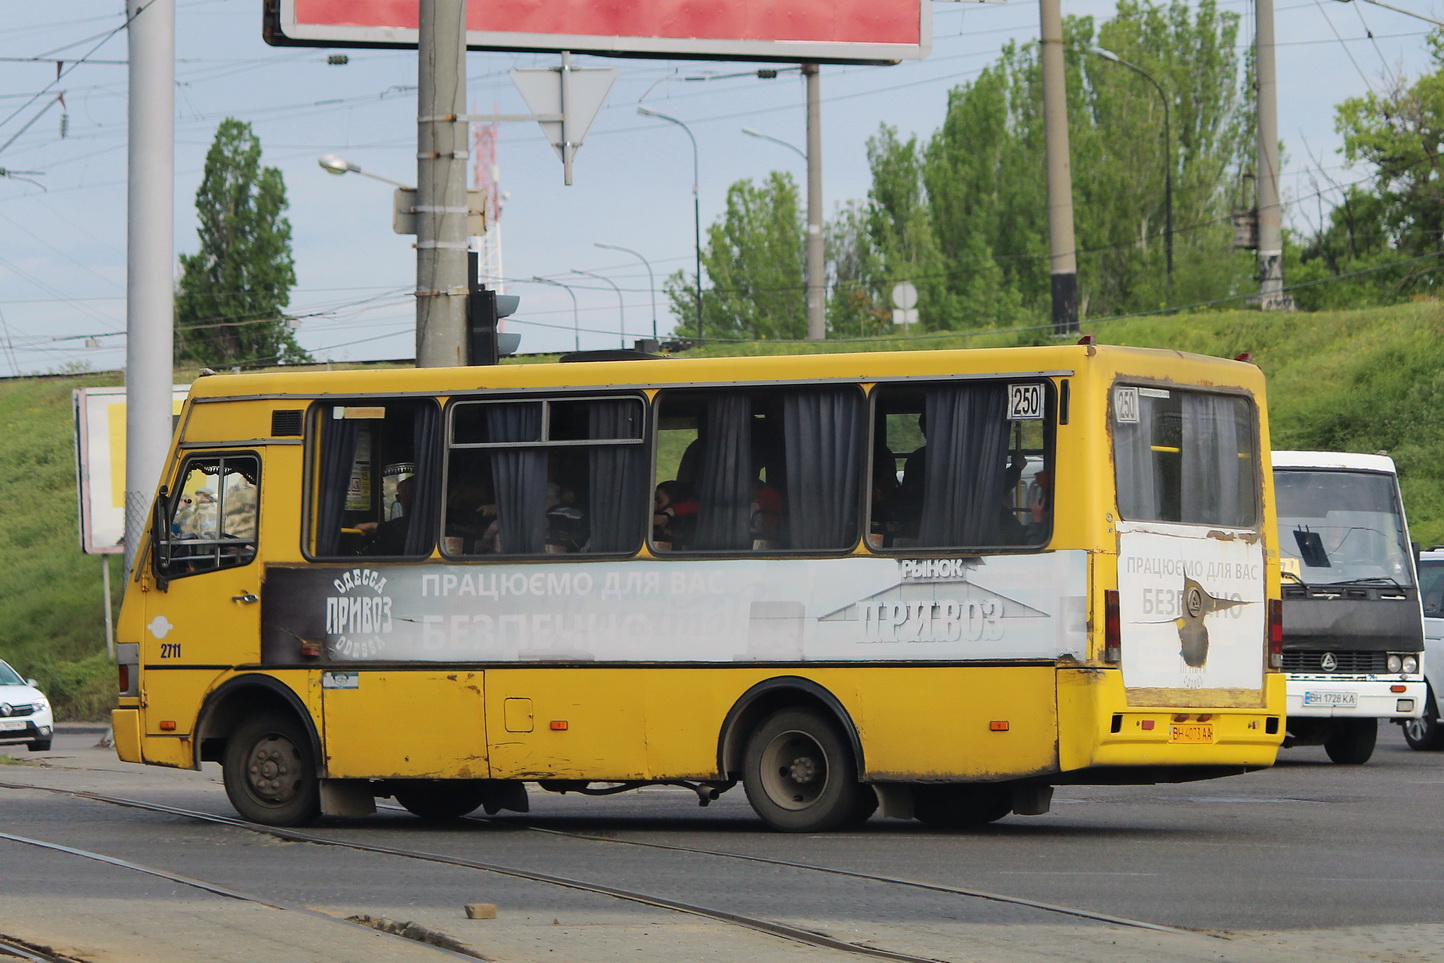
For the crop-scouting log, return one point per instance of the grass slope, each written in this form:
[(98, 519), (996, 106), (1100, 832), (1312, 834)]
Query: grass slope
[(1368, 380)]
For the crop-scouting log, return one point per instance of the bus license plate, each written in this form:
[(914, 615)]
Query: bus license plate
[(1194, 733), (1348, 700), (7, 724)]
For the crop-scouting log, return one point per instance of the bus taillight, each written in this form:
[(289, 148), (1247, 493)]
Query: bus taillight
[(123, 682), (1276, 633), (1112, 627)]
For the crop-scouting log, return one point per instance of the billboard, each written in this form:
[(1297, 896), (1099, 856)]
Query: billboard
[(100, 465), (828, 31)]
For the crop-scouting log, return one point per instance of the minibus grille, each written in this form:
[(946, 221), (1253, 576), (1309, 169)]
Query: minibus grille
[(1345, 662)]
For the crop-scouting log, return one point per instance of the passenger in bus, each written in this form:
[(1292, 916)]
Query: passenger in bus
[(882, 517), (389, 537), (1037, 524), (566, 521), (470, 517), (240, 508), (767, 516), (674, 515)]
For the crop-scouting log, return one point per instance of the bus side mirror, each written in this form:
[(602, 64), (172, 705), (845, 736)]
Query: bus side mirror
[(160, 539)]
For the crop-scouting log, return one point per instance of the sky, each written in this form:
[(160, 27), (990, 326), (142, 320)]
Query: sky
[(63, 201)]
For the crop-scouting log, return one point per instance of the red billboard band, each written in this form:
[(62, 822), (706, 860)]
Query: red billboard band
[(789, 30)]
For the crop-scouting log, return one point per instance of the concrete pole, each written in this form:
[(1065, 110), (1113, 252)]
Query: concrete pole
[(1270, 213), (150, 250), (816, 264), (441, 155), (1062, 250)]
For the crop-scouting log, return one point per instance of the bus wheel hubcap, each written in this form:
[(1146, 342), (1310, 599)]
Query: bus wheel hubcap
[(270, 770), (794, 770)]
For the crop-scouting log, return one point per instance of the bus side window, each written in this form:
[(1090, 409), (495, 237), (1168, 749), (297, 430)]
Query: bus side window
[(546, 476), (378, 489), (759, 469), (976, 473)]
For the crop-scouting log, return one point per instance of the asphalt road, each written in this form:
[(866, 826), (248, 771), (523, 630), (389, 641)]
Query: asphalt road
[(1307, 861)]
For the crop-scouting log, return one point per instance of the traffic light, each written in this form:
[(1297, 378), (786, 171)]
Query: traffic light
[(484, 307)]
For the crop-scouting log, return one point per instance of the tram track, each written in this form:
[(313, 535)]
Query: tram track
[(762, 925)]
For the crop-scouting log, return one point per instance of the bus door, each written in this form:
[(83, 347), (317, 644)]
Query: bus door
[(1191, 582), (205, 616)]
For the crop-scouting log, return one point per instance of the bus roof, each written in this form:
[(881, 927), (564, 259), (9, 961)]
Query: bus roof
[(1336, 460), (1159, 364)]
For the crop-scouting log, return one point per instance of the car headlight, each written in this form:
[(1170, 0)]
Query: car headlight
[(1395, 664), (39, 706), (1411, 664)]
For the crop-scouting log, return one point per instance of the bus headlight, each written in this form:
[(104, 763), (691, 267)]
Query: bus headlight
[(1411, 664), (1395, 664)]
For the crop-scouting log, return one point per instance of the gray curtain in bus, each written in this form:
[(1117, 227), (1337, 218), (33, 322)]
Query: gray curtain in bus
[(520, 477), (1140, 494), (964, 476), (426, 485), (725, 475), (1211, 489), (616, 511), (823, 442), (338, 457)]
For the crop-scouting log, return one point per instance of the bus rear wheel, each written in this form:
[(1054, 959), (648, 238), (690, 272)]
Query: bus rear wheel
[(440, 801), (1351, 742), (799, 775), (270, 772), (961, 807)]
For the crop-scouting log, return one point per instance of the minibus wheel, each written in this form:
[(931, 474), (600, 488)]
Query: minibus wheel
[(799, 775), (270, 771), (1425, 733), (1351, 741)]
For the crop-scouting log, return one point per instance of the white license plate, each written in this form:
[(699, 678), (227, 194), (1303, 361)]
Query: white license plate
[(6, 725), (1347, 700)]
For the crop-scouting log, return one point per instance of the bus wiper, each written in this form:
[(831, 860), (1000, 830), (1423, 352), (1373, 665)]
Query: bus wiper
[(1287, 574), (1369, 580)]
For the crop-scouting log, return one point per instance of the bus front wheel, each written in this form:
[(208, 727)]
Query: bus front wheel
[(270, 772), (799, 775), (1351, 742)]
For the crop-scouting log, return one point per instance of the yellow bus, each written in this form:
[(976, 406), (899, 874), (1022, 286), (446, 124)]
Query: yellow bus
[(941, 583)]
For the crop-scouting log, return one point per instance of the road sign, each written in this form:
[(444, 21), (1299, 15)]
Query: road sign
[(905, 295), (566, 100)]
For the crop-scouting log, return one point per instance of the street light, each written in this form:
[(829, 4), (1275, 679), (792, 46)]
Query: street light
[(620, 309), (816, 294), (332, 164), (696, 207), (651, 279), (776, 140), (576, 325), (1167, 156)]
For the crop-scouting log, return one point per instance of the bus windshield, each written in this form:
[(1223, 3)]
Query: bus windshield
[(1339, 526)]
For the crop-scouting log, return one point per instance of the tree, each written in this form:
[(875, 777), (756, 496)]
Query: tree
[(755, 259), (1399, 218), (233, 292)]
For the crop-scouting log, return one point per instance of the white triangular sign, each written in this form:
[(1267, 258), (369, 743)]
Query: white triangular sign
[(587, 90)]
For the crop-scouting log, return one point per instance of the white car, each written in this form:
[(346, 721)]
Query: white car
[(1425, 733), (24, 712)]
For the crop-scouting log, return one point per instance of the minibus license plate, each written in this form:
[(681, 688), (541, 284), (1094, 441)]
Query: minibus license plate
[(1199, 733), (1346, 700)]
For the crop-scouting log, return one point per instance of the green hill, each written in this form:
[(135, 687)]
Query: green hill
[(1362, 381)]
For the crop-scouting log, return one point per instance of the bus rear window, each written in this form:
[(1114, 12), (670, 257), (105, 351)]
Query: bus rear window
[(1185, 456)]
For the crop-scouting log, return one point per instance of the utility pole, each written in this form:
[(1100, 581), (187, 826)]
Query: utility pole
[(1270, 215), (1062, 250), (816, 264), (442, 284), (150, 247)]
